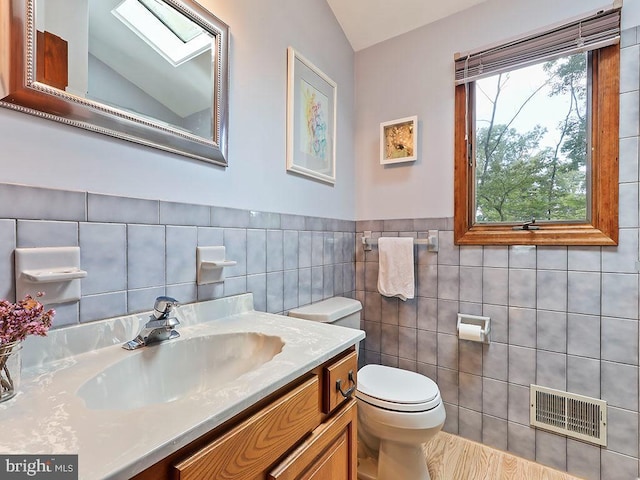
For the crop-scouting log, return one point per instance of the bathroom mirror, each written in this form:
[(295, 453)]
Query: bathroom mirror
[(153, 72)]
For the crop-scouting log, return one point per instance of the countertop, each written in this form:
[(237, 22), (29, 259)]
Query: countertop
[(47, 417)]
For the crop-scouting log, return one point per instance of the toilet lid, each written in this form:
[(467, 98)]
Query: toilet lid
[(396, 386)]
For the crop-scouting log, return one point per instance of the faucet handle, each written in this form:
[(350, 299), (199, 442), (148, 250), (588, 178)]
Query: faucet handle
[(163, 306)]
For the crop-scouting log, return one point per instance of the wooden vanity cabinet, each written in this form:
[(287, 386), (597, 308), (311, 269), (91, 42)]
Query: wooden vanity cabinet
[(302, 431), (329, 453)]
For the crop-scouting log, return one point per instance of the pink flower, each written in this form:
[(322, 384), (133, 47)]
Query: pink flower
[(23, 318)]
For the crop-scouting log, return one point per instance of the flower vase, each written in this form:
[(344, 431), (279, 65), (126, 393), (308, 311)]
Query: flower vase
[(10, 369)]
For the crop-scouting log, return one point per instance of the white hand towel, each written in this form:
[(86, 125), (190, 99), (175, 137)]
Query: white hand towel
[(395, 272)]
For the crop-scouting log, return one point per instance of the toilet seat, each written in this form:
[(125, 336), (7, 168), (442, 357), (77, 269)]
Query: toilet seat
[(397, 390)]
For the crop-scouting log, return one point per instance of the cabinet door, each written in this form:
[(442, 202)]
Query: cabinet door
[(247, 451), (333, 463), (330, 453)]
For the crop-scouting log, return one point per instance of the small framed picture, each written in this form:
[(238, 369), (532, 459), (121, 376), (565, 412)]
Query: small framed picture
[(399, 140), (311, 120)]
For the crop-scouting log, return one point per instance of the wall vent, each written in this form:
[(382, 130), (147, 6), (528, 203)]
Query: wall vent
[(576, 416)]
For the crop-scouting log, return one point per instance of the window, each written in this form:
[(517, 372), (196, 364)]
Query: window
[(536, 137)]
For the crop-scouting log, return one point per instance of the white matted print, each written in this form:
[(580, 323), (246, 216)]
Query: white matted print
[(311, 120)]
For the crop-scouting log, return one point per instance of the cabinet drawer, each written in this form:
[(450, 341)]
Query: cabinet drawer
[(345, 371), (330, 453), (256, 443)]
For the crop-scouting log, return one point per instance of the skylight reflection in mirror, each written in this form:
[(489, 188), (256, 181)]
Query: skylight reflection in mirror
[(180, 25), (174, 36)]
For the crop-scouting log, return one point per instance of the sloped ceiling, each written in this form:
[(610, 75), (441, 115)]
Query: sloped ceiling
[(367, 22)]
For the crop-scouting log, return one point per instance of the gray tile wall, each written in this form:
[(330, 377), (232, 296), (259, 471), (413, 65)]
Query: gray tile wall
[(135, 250), (566, 318), (553, 324)]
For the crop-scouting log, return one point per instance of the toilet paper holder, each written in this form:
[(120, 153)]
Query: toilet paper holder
[(474, 328)]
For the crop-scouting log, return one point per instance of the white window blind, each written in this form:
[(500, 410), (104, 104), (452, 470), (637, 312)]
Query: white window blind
[(590, 33)]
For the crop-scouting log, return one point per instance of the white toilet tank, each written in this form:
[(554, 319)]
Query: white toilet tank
[(337, 310)]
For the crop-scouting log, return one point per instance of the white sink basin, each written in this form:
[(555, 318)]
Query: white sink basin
[(170, 370)]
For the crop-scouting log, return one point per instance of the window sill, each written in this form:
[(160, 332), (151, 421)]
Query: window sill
[(578, 234)]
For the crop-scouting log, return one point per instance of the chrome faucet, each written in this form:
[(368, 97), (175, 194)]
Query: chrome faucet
[(161, 325)]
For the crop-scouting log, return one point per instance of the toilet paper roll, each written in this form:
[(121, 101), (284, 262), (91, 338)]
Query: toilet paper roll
[(470, 332)]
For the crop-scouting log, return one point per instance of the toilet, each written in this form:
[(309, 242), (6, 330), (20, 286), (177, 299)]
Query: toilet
[(398, 410)]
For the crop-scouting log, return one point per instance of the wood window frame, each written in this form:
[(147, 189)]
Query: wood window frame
[(603, 227)]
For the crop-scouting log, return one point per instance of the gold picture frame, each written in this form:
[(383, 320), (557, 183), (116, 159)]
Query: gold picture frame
[(399, 140)]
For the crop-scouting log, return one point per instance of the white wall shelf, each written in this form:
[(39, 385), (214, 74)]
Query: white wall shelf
[(54, 271), (210, 264)]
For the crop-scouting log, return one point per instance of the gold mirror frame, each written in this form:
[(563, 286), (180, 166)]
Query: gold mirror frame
[(20, 91)]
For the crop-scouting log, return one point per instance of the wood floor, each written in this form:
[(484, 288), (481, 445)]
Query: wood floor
[(450, 457)]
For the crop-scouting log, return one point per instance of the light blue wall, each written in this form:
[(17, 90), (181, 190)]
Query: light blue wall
[(46, 154), (413, 75)]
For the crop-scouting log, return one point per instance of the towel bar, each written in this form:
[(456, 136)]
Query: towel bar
[(431, 241)]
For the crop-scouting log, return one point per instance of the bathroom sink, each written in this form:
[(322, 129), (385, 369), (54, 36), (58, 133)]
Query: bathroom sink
[(173, 369)]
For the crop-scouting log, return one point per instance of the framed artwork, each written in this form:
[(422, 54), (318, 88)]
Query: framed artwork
[(399, 140), (311, 120)]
